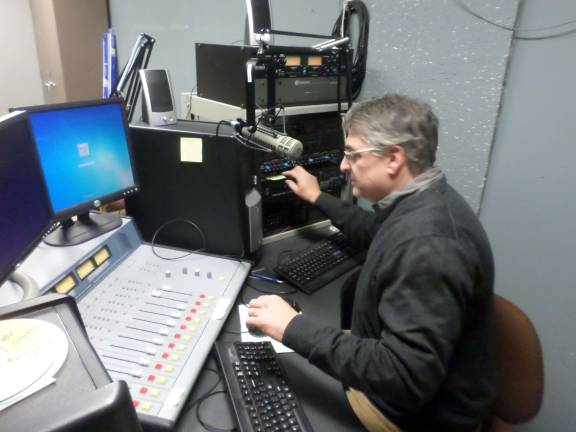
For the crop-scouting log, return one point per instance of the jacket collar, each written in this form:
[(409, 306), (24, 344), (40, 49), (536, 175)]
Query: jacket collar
[(418, 184)]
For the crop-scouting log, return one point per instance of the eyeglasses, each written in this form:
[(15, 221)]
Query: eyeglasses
[(349, 154)]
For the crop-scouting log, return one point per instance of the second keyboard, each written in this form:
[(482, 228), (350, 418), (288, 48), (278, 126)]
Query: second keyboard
[(321, 263)]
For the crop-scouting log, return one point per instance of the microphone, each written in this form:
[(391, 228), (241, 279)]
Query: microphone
[(282, 145)]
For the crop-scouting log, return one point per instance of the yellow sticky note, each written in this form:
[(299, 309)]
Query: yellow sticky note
[(191, 149)]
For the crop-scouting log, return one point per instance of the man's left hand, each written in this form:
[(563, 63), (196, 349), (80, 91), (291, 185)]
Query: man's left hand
[(270, 314)]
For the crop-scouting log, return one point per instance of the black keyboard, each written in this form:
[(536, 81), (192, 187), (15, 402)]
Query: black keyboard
[(313, 267), (261, 395)]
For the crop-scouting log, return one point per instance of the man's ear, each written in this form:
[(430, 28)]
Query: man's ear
[(396, 156)]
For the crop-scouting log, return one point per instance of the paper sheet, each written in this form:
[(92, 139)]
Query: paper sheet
[(247, 336)]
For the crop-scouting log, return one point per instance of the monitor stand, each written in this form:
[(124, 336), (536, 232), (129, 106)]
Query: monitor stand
[(86, 227)]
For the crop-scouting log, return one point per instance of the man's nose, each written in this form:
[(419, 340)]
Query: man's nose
[(344, 165)]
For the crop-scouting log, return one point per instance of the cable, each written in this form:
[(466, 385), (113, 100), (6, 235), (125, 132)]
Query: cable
[(29, 286), (189, 112), (221, 122), (342, 28), (344, 5), (164, 225), (475, 14), (205, 425), (190, 405), (249, 143)]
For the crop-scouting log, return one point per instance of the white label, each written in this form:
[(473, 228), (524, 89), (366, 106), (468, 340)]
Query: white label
[(191, 149)]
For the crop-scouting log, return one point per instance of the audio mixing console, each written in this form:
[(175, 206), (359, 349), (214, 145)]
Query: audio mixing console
[(151, 315)]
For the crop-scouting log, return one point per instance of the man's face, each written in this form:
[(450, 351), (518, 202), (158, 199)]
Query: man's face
[(366, 169)]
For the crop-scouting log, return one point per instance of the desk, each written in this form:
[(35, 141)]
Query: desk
[(321, 395)]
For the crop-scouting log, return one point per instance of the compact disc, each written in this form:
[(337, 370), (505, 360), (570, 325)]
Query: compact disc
[(30, 350)]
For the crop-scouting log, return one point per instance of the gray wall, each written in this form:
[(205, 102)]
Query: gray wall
[(430, 49), (529, 207), (178, 24), (436, 51)]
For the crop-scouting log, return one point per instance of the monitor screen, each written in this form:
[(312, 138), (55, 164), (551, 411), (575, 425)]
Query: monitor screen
[(25, 212), (85, 154)]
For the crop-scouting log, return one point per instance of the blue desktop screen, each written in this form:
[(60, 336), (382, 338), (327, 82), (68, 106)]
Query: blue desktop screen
[(83, 151)]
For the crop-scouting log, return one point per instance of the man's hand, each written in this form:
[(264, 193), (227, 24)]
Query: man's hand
[(303, 184), (270, 314)]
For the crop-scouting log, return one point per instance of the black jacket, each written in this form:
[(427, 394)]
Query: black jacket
[(419, 344)]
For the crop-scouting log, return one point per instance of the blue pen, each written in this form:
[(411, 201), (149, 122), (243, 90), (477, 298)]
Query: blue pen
[(266, 278)]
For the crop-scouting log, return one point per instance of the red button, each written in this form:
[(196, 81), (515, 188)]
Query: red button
[(165, 355), (151, 377), (202, 295), (198, 303), (193, 310), (135, 403), (158, 366), (188, 318), (171, 345), (143, 390), (177, 335)]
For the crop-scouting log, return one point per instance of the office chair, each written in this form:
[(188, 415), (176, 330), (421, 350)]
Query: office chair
[(518, 358)]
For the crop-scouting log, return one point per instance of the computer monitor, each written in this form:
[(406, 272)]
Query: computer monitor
[(25, 212), (86, 158)]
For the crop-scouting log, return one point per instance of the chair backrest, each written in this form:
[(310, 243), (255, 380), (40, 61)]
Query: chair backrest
[(518, 357)]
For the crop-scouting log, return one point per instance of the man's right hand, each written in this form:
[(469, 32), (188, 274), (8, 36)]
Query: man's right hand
[(303, 184)]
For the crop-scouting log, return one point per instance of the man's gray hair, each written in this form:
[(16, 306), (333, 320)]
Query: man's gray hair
[(397, 120)]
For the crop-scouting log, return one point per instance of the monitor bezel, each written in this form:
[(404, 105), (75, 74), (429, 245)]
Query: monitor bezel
[(6, 121), (86, 206)]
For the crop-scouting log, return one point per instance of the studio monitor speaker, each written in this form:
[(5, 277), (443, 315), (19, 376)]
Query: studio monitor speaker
[(157, 98)]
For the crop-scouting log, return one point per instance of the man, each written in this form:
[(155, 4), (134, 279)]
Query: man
[(418, 354)]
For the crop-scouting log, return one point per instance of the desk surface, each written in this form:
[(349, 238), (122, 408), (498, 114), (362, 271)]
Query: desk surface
[(321, 395)]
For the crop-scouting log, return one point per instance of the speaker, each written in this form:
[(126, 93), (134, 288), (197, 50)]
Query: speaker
[(157, 98)]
